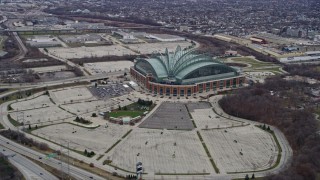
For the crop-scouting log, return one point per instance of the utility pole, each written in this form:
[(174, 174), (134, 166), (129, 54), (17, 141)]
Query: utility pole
[(24, 123), (68, 160), (20, 118), (61, 160)]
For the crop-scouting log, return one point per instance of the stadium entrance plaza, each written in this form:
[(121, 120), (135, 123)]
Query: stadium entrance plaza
[(211, 139)]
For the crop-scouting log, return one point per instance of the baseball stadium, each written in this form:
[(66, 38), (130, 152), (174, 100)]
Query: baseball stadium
[(183, 73)]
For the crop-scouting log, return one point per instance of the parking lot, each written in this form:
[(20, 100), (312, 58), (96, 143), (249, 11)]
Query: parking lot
[(75, 94), (97, 140), (109, 66), (241, 149), (85, 52), (161, 151), (109, 91), (42, 116), (89, 106), (234, 146), (207, 119), (35, 103), (169, 116)]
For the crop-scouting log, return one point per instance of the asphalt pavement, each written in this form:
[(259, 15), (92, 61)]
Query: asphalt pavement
[(29, 169), (55, 163)]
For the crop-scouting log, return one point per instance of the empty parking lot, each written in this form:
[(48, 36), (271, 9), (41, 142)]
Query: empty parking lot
[(169, 115)]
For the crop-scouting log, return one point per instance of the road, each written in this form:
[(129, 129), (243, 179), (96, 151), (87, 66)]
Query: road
[(4, 19), (62, 81), (74, 171), (29, 169), (66, 61), (22, 47)]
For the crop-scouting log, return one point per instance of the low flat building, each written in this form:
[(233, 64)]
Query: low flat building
[(299, 59), (44, 44), (290, 49), (231, 53), (312, 53), (81, 38), (124, 35), (3, 53)]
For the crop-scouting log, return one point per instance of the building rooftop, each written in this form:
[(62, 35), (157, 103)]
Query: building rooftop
[(181, 65), (312, 53)]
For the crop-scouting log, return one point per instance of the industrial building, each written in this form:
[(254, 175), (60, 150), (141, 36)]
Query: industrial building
[(81, 38), (43, 41), (126, 38), (257, 40), (309, 56), (183, 73), (123, 35)]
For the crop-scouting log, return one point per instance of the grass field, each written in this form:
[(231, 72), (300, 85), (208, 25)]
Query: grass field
[(133, 110), (257, 66), (13, 122), (254, 63), (11, 98), (132, 114)]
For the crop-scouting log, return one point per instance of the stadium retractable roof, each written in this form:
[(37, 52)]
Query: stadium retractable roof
[(176, 66)]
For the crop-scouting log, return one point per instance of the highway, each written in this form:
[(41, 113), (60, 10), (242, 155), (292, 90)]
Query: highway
[(74, 171), (62, 81), (22, 47), (29, 169), (4, 19)]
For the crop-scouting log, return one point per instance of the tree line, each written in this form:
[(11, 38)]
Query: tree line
[(280, 109), (307, 70), (21, 138)]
